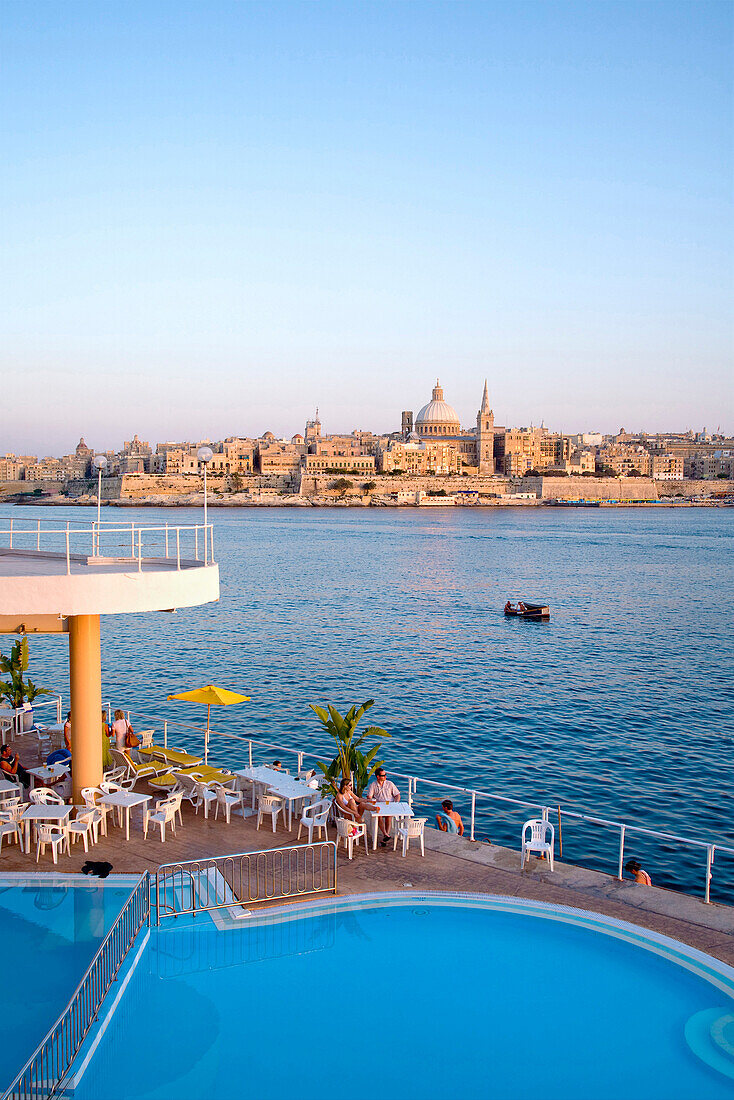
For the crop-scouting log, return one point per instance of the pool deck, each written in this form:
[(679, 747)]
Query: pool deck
[(451, 863)]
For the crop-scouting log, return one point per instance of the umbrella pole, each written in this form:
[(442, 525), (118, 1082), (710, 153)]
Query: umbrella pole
[(206, 736)]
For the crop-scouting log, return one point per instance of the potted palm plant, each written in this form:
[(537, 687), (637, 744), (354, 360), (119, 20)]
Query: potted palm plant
[(350, 759), (17, 691)]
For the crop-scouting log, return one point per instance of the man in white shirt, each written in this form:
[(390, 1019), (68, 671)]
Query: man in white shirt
[(382, 789)]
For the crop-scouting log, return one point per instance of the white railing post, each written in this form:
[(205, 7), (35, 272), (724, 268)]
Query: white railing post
[(68, 558), (166, 538), (709, 862), (410, 790), (165, 735), (249, 746), (196, 542), (58, 709), (620, 867), (300, 761), (38, 536), (132, 539), (140, 549), (11, 534), (473, 814), (178, 547)]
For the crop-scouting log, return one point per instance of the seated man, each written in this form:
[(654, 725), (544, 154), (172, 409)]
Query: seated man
[(640, 876), (383, 789), (11, 766), (448, 820)]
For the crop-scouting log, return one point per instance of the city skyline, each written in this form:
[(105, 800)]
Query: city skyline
[(221, 215)]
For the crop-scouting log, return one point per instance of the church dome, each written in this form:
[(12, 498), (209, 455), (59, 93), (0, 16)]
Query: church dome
[(438, 411)]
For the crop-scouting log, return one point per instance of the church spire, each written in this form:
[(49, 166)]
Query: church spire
[(485, 399)]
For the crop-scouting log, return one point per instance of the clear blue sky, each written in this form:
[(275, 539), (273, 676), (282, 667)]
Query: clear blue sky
[(218, 215)]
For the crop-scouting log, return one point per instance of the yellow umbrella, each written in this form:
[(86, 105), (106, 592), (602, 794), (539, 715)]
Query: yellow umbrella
[(210, 696)]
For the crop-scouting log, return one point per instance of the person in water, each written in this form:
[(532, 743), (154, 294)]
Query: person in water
[(640, 876)]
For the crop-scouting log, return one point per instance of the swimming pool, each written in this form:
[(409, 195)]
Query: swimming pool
[(418, 996), (50, 929)]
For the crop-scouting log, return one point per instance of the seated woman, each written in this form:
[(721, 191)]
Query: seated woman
[(67, 731), (350, 804)]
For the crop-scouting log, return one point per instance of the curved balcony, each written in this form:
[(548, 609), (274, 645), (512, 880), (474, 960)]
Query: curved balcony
[(49, 571)]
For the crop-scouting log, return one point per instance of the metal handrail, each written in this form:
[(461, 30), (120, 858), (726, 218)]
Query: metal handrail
[(46, 1068), (88, 540), (275, 873), (543, 806)]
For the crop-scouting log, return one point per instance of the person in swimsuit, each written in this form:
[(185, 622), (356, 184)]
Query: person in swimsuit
[(350, 804), (640, 876)]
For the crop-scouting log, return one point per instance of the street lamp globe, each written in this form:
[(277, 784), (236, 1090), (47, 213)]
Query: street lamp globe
[(205, 455), (100, 462)]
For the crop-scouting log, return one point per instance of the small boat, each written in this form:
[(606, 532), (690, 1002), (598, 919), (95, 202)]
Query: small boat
[(524, 610)]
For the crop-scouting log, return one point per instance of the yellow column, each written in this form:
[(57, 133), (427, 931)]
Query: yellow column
[(85, 663)]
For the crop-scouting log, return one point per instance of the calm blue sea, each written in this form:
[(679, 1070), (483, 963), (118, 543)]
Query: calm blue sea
[(622, 705)]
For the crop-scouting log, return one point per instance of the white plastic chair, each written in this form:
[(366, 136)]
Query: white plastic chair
[(535, 835), (91, 796), (82, 825), (9, 827), (315, 816), (55, 835), (196, 791), (270, 804), (351, 832), (227, 799), (146, 738), (412, 829), (44, 796), (163, 814)]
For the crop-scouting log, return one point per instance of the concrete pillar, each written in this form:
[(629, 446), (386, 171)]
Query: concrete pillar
[(85, 663)]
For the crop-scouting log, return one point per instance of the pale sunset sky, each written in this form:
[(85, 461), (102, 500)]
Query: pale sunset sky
[(217, 216)]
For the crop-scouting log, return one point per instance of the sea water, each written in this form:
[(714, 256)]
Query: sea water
[(621, 705)]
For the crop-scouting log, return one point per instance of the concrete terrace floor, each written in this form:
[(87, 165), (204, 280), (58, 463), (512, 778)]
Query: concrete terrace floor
[(451, 863)]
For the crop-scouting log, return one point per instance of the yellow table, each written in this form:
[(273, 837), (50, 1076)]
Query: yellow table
[(172, 756)]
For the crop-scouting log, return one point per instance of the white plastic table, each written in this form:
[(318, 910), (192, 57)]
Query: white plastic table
[(279, 783), (126, 800), (388, 809), (44, 773), (11, 789), (57, 815)]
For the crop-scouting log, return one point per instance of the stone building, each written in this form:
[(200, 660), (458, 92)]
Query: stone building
[(439, 422)]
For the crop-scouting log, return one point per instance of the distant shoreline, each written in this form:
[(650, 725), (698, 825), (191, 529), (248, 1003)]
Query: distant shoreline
[(306, 502)]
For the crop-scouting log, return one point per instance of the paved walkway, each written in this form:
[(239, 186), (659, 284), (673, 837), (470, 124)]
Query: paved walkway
[(450, 863)]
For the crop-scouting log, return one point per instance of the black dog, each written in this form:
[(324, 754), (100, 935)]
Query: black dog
[(101, 869)]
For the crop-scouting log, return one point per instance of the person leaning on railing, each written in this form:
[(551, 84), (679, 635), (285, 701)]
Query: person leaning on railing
[(448, 820)]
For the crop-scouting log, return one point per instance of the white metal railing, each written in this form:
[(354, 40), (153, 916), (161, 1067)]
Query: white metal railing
[(18, 713), (44, 1071), (245, 878), (141, 544), (543, 807)]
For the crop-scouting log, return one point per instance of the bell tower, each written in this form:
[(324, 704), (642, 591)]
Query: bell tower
[(485, 435)]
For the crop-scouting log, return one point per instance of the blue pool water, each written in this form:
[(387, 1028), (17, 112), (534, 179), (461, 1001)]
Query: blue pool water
[(50, 930), (417, 1000), (621, 705)]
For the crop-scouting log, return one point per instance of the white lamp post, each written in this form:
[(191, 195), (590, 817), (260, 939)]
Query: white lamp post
[(100, 463), (205, 455)]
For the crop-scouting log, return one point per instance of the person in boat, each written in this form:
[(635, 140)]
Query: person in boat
[(508, 607), (521, 606), (448, 820), (640, 876)]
